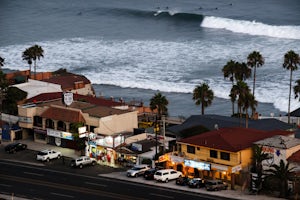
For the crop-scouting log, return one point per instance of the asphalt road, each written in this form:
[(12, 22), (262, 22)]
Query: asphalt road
[(23, 176)]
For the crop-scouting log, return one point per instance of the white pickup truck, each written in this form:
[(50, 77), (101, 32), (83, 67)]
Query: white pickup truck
[(47, 155), (82, 161)]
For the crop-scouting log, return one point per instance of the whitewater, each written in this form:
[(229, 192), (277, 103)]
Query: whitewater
[(144, 48)]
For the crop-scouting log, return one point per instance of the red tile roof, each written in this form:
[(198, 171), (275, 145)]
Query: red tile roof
[(231, 139), (67, 80), (295, 157), (63, 114), (77, 97)]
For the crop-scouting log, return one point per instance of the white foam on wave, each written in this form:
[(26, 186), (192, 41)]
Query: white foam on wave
[(162, 65), (252, 27)]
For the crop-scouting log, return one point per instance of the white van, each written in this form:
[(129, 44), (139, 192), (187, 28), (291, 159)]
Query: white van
[(165, 175)]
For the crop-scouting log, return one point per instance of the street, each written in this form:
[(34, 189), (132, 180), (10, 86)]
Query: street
[(57, 180)]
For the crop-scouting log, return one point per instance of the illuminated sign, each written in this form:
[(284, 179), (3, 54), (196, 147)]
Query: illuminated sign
[(67, 135), (196, 164)]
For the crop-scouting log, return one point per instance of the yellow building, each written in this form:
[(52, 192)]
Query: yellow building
[(218, 154)]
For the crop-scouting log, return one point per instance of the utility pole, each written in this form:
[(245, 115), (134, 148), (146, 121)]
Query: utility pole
[(164, 131)]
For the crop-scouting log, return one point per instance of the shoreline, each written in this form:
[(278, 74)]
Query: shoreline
[(180, 104)]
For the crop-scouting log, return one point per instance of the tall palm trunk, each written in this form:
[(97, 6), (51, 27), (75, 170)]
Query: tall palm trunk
[(35, 69), (289, 114), (254, 78)]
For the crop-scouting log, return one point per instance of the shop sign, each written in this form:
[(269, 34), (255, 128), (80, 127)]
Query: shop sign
[(68, 98), (58, 141), (236, 168), (267, 149), (82, 129), (219, 167), (105, 141), (163, 158), (54, 133), (196, 164), (67, 135), (177, 159)]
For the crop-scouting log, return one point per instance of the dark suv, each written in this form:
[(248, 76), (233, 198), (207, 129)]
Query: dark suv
[(196, 183), (14, 147), (149, 174)]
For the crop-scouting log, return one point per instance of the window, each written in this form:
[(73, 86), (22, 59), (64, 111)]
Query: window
[(61, 126), (225, 156), (37, 121), (190, 149), (49, 123), (213, 154)]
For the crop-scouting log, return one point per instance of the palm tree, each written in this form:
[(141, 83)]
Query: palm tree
[(242, 72), (3, 87), (258, 157), (229, 72), (240, 91), (297, 89), (291, 61), (1, 62), (36, 52), (281, 172), (160, 103), (203, 95), (27, 55), (248, 102), (255, 60)]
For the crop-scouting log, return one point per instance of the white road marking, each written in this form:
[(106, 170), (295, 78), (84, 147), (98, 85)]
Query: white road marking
[(160, 195), (62, 195), (90, 183), (33, 174)]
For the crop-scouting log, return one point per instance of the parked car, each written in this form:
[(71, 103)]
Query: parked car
[(165, 175), (196, 183), (137, 170), (149, 174), (14, 147), (182, 180), (83, 161), (47, 155), (215, 185)]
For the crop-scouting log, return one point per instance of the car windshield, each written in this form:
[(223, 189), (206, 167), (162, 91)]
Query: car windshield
[(42, 153), (211, 183), (158, 173), (136, 168)]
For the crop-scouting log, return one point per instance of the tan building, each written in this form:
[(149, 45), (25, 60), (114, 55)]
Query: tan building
[(47, 119)]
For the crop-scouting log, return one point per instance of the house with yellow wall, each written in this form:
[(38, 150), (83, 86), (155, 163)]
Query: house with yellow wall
[(224, 153)]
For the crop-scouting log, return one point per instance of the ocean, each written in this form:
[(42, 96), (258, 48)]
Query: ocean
[(132, 49)]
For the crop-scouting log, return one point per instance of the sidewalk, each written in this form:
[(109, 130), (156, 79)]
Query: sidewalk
[(234, 194)]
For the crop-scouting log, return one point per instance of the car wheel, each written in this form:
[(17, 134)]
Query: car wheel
[(47, 159), (58, 157), (136, 175), (93, 163), (80, 166), (167, 180)]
